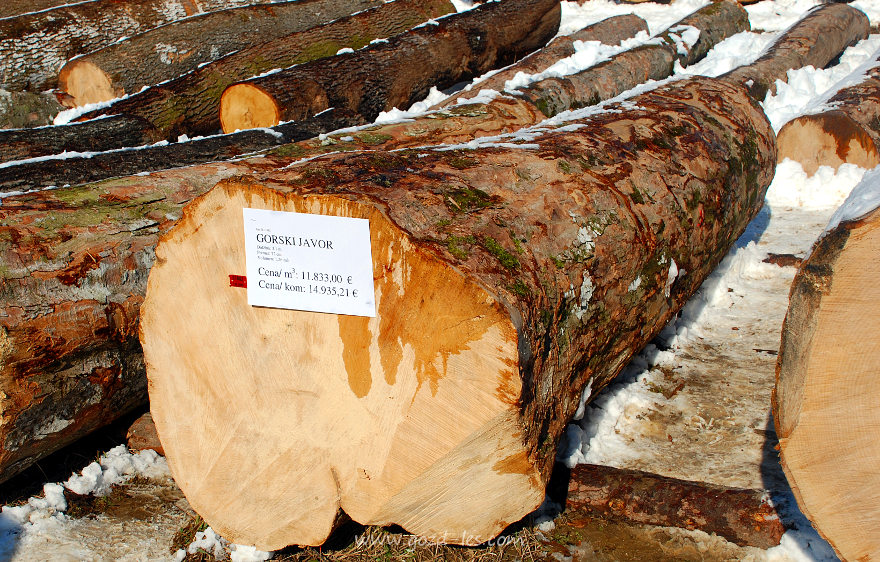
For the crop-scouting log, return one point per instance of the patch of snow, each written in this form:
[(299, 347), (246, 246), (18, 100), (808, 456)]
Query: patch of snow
[(577, 16), (778, 15), (344, 50), (863, 199)]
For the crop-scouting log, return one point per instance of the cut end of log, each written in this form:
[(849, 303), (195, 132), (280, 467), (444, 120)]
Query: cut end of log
[(825, 403), (419, 403), (827, 139), (243, 106), (86, 83)]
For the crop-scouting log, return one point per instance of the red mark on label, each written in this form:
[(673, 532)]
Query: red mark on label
[(238, 281)]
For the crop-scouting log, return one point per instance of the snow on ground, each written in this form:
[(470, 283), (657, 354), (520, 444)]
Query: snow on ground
[(694, 404)]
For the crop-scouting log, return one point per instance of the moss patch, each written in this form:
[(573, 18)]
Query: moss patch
[(505, 258)]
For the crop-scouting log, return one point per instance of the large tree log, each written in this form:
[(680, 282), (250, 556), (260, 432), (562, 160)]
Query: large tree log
[(35, 45), (506, 279), (11, 8), (610, 31), (825, 401), (742, 516), (27, 109), (176, 48), (817, 39), (382, 76), (190, 104), (654, 61), (848, 133)]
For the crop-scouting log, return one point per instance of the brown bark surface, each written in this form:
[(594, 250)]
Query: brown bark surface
[(610, 31), (382, 76), (190, 104), (176, 48), (817, 39), (825, 400), (541, 242), (34, 46), (716, 22), (11, 8), (742, 516), (27, 109), (849, 133)]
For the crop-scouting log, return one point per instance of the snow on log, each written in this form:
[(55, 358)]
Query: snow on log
[(383, 76), (507, 278), (685, 42), (190, 104), (742, 516), (610, 31), (35, 45), (816, 40), (169, 51), (847, 133), (825, 401)]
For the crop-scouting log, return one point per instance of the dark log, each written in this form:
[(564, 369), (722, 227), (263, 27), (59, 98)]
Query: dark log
[(33, 46), (75, 169), (849, 133), (176, 48), (383, 75), (610, 31), (27, 109), (816, 40), (11, 8), (190, 104), (825, 400), (716, 22), (742, 516), (503, 287)]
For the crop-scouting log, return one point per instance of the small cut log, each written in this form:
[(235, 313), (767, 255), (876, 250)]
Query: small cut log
[(816, 40), (825, 400), (654, 61), (176, 48), (382, 76), (27, 109), (504, 283), (742, 516), (190, 104), (35, 45), (849, 133)]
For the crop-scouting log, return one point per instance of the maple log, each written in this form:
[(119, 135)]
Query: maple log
[(35, 45), (610, 31), (383, 76), (171, 50), (654, 61), (816, 40), (825, 399), (507, 278), (190, 104), (849, 133), (742, 516)]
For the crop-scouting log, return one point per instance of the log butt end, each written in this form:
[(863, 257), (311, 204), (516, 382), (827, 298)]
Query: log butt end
[(274, 420), (827, 139), (825, 401), (243, 106), (86, 83)]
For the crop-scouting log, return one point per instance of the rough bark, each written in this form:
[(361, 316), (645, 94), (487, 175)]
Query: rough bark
[(11, 8), (817, 39), (27, 109), (742, 516), (849, 133), (824, 404), (519, 289), (75, 169), (610, 31), (176, 48), (382, 76), (655, 61), (190, 104), (34, 46)]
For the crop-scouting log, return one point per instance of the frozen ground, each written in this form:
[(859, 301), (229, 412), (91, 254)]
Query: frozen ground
[(694, 405)]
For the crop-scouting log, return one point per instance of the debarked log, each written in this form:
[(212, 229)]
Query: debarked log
[(816, 40), (825, 399), (848, 133), (382, 76), (507, 277), (173, 49)]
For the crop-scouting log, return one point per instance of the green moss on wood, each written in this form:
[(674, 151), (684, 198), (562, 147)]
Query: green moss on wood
[(505, 258), (372, 138), (468, 199)]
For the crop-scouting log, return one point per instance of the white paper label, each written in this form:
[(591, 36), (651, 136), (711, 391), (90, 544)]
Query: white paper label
[(309, 262)]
